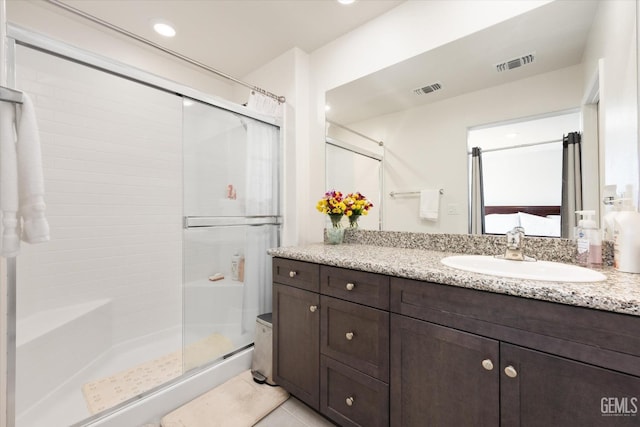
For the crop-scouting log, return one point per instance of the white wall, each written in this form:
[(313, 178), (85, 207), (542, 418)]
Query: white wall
[(613, 41), (426, 147)]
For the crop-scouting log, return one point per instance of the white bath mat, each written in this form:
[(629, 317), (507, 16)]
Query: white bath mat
[(107, 392), (240, 402)]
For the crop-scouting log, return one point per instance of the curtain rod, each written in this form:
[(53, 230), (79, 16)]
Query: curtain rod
[(10, 95), (280, 99), (533, 144), (380, 143)]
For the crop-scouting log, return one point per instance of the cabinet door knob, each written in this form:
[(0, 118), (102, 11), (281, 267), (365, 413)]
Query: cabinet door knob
[(292, 274), (487, 364), (350, 286), (349, 335), (313, 308), (511, 371), (349, 401)]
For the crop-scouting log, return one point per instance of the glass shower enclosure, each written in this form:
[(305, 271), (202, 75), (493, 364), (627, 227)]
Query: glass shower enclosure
[(161, 209), (231, 218)]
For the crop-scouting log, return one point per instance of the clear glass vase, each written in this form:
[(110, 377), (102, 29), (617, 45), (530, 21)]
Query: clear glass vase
[(335, 233)]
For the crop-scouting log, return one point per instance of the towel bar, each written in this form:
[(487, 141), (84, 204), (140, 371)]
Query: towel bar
[(405, 193), (10, 95)]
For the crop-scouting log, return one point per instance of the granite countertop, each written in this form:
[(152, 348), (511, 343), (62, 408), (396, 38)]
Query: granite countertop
[(619, 293)]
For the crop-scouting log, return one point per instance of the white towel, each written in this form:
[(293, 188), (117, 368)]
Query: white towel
[(10, 232), (429, 204), (35, 228)]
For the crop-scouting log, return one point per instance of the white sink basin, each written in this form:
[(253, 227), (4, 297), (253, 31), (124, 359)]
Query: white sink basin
[(534, 270)]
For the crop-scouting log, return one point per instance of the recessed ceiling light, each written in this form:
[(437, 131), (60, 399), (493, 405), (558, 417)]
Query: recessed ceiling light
[(511, 135), (164, 29), (346, 1), (327, 107)]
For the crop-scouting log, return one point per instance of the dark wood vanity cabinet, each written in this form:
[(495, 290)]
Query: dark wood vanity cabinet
[(468, 357), (296, 329), (549, 390), (296, 357), (370, 350), (331, 340), (439, 376)]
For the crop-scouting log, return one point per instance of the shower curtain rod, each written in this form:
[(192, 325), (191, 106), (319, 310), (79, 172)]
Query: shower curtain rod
[(380, 143), (94, 19), (533, 144), (10, 95)]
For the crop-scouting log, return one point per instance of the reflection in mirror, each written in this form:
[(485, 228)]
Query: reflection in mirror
[(568, 53), (521, 173), (352, 169)]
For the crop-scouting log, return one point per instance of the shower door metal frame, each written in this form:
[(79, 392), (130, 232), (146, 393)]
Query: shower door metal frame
[(9, 269)]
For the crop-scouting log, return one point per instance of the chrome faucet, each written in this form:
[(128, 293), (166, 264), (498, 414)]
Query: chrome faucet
[(515, 245)]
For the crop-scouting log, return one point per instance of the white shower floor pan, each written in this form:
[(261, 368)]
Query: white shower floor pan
[(66, 405)]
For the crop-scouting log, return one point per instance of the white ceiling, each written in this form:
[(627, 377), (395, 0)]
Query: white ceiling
[(238, 36), (557, 32)]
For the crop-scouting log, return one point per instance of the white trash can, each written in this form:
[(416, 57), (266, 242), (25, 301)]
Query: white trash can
[(261, 365)]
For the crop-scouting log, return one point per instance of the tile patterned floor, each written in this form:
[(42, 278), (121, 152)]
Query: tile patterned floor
[(294, 413)]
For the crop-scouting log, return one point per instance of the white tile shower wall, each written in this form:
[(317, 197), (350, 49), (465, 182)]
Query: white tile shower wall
[(113, 175)]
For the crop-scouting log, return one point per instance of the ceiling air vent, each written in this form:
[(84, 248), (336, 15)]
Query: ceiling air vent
[(515, 62), (428, 89)]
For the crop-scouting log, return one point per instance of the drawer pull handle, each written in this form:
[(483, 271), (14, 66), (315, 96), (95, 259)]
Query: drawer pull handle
[(349, 401), (349, 336), (350, 286), (313, 308), (511, 371), (292, 274), (487, 364)]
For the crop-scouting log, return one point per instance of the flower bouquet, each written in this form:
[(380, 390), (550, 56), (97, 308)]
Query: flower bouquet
[(332, 204), (357, 204)]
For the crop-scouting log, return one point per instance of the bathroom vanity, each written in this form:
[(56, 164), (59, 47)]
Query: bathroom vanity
[(374, 336)]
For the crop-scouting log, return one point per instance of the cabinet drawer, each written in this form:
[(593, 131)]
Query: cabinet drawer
[(352, 398), (356, 286), (355, 335), (303, 275)]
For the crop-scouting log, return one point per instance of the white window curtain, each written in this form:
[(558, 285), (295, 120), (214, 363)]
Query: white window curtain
[(476, 216), (571, 182)]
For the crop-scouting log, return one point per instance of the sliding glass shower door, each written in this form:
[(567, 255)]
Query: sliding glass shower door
[(231, 218)]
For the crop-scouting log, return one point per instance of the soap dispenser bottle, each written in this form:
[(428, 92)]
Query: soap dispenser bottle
[(235, 266), (626, 250), (588, 240)]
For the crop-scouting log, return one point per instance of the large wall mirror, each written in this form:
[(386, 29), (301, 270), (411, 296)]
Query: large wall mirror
[(576, 56)]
